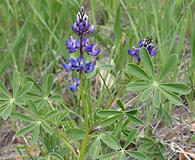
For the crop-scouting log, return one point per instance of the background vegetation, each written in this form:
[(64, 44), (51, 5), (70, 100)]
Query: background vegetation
[(32, 46)]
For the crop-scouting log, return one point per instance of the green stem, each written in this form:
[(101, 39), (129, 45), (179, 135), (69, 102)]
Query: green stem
[(85, 140)]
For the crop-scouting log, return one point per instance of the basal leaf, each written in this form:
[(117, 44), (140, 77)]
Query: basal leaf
[(156, 97), (22, 117), (25, 130), (49, 84), (110, 120), (26, 88), (137, 72), (172, 97), (135, 120), (33, 107), (47, 128), (131, 137), (146, 60), (52, 114), (137, 86), (3, 90), (179, 88), (35, 134), (76, 133), (16, 82), (111, 141), (120, 104), (7, 111), (107, 113)]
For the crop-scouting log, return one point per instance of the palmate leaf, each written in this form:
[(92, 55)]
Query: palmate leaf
[(16, 82), (47, 128), (3, 90), (26, 88), (35, 134), (111, 120), (131, 137), (137, 86), (179, 88), (51, 114), (48, 84), (36, 87), (25, 130), (135, 120), (121, 156), (93, 149), (120, 104), (33, 107), (137, 72), (146, 60), (156, 97), (108, 156), (110, 141), (118, 127), (22, 117), (172, 97), (7, 111), (107, 113), (76, 133)]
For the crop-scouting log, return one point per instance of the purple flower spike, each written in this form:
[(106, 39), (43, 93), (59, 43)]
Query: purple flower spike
[(82, 27), (148, 44), (89, 67), (72, 45), (91, 49)]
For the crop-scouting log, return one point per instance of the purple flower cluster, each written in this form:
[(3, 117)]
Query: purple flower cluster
[(82, 28), (148, 44)]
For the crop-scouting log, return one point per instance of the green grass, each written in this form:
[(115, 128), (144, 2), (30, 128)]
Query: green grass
[(33, 34)]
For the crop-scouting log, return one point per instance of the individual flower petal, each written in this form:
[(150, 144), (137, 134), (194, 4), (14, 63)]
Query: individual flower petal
[(72, 45), (81, 62), (89, 67), (67, 67), (140, 43), (153, 52), (74, 63), (91, 49), (76, 81), (131, 52), (73, 88)]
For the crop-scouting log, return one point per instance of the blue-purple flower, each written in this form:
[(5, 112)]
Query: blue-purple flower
[(135, 53), (79, 64), (91, 50), (81, 27), (72, 44), (74, 86), (89, 67), (148, 44)]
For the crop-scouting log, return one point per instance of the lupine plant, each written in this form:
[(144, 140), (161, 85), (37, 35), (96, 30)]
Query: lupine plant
[(99, 103)]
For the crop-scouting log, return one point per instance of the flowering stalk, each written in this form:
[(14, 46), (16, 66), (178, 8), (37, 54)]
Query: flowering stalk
[(148, 44), (81, 28)]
